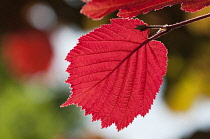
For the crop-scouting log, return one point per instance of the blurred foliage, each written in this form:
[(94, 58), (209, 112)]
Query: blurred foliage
[(33, 112), (30, 108), (202, 27), (188, 75), (194, 81), (12, 13)]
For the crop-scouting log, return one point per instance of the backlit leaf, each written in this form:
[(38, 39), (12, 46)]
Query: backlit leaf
[(115, 72), (97, 9)]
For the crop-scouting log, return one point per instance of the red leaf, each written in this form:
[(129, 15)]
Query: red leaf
[(195, 5), (97, 9), (115, 74)]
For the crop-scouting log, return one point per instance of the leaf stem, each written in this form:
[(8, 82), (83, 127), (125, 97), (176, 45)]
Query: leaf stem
[(164, 29), (183, 23)]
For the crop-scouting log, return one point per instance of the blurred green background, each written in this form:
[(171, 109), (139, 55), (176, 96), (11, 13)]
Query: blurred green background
[(36, 35)]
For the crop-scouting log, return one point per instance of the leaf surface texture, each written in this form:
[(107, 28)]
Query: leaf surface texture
[(115, 74)]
